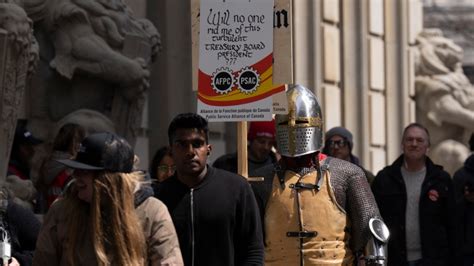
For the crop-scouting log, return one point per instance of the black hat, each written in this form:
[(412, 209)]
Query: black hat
[(103, 151), (23, 136)]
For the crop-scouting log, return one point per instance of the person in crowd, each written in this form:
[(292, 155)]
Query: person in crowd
[(318, 210), (22, 153), (464, 194), (338, 143), (162, 166), (214, 211), (261, 138), (19, 227), (54, 175), (108, 217), (416, 200)]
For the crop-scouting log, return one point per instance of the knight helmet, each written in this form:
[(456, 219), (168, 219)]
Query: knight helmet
[(300, 132)]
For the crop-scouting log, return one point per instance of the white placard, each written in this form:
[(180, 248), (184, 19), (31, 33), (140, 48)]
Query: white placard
[(235, 60)]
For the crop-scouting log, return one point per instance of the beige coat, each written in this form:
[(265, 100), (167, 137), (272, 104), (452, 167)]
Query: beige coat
[(160, 234)]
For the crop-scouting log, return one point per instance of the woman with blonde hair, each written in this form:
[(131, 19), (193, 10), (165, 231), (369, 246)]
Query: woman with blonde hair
[(96, 223)]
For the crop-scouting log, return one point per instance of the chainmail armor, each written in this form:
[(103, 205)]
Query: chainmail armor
[(354, 195), (304, 170), (350, 187)]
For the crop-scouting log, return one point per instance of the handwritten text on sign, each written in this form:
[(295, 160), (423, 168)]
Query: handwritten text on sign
[(230, 35), (235, 58)]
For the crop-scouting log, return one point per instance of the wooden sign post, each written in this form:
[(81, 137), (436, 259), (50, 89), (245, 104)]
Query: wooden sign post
[(242, 165)]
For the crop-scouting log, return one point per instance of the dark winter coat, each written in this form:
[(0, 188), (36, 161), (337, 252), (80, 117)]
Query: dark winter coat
[(229, 162), (437, 214), (23, 228), (464, 177), (217, 221)]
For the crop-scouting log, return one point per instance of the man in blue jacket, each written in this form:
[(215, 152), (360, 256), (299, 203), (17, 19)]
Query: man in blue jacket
[(416, 200)]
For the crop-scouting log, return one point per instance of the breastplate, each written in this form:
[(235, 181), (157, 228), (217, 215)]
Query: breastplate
[(305, 226)]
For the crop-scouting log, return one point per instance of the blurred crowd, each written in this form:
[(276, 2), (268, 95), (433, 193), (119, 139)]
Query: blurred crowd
[(60, 217)]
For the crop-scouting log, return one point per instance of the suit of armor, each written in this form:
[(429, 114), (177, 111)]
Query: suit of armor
[(341, 209), (318, 209)]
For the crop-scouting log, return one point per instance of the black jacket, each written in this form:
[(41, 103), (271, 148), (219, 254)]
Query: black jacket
[(437, 215), (464, 177), (23, 229), (217, 221)]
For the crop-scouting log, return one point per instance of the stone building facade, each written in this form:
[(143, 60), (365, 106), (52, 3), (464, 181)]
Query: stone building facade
[(357, 56)]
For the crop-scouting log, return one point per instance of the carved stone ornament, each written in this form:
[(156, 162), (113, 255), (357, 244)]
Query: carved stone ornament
[(18, 58), (94, 55), (444, 98)]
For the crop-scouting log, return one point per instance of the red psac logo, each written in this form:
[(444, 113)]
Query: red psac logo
[(433, 195)]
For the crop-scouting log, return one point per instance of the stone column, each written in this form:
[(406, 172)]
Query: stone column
[(395, 39), (306, 44), (139, 8), (18, 52), (172, 71), (354, 74)]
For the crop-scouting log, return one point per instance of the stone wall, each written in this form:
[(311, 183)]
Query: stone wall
[(356, 55)]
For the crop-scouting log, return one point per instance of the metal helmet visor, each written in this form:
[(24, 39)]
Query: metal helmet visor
[(301, 131)]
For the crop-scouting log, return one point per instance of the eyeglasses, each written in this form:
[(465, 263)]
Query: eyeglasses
[(167, 168), (340, 143)]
